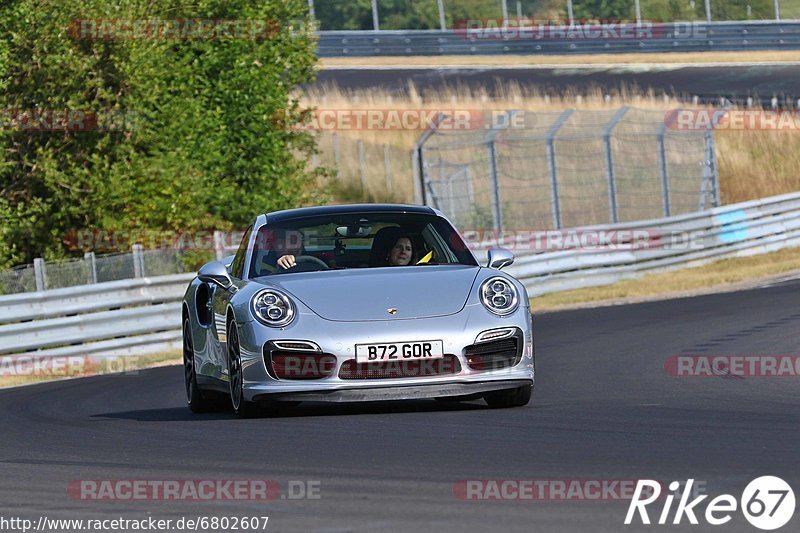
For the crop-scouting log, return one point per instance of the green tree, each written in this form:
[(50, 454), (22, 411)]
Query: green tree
[(208, 140)]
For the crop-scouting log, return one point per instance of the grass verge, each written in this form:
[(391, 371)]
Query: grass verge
[(720, 276), (25, 371), (766, 56)]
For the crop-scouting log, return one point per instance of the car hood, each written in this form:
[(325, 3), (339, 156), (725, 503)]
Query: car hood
[(368, 294)]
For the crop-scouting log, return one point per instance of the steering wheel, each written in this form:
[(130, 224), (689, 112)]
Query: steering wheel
[(307, 260)]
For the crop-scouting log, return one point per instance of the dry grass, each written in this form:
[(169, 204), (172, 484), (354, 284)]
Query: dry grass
[(74, 367), (735, 273), (766, 56), (752, 164)]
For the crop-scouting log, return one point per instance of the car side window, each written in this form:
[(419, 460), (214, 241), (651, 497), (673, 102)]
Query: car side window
[(238, 261)]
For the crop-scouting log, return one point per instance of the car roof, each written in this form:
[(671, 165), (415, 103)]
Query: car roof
[(289, 214)]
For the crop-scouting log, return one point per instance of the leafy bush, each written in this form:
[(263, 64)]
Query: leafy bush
[(206, 141)]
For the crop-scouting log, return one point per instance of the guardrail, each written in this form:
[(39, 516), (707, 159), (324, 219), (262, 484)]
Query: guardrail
[(664, 37), (746, 228), (109, 319), (143, 315)]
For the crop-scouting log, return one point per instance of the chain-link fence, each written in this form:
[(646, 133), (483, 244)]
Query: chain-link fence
[(333, 15), (366, 170), (552, 170), (44, 275)]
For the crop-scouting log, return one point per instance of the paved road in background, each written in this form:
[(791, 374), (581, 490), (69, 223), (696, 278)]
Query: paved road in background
[(709, 82), (604, 408)]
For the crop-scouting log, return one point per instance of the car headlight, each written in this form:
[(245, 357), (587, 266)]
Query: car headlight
[(273, 308), (499, 296)]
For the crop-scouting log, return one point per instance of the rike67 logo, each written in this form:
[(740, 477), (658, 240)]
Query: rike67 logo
[(767, 503)]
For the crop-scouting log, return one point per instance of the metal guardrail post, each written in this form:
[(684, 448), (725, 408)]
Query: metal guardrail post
[(311, 8), (777, 10), (569, 12), (612, 187), (91, 262), (505, 12), (551, 165), (442, 21), (708, 10), (40, 273), (638, 13), (662, 169), (138, 263)]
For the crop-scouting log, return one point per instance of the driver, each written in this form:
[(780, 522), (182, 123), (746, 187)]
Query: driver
[(284, 247)]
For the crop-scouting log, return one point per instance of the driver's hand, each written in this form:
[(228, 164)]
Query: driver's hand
[(287, 261)]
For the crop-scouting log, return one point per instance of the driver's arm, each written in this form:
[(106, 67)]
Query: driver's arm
[(287, 261)]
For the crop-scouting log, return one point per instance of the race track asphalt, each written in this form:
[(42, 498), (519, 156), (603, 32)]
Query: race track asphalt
[(709, 83), (604, 409)]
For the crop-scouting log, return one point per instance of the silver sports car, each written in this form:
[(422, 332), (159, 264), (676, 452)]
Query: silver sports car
[(355, 303)]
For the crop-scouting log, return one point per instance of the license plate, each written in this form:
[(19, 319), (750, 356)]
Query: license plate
[(399, 351)]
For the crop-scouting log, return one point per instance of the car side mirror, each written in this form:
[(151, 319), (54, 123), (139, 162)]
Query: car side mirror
[(499, 258), (215, 272)]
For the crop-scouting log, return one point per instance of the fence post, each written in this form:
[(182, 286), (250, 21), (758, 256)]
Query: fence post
[(336, 155), (361, 166), (708, 10), (551, 165), (311, 8), (442, 21), (91, 262), (138, 263), (386, 170), (569, 12), (375, 25), (638, 13), (777, 10), (40, 273), (662, 168), (418, 161), (612, 186), (497, 216), (505, 12), (219, 245), (711, 169)]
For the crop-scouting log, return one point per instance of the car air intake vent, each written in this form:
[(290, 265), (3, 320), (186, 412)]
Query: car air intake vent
[(493, 355), (415, 368), (300, 365)]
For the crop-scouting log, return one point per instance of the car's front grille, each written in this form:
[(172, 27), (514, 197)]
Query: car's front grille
[(300, 365), (493, 355), (415, 368)]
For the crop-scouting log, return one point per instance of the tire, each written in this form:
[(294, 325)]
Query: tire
[(241, 407), (195, 398), (509, 398)]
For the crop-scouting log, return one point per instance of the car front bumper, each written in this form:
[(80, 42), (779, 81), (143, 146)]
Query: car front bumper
[(339, 339)]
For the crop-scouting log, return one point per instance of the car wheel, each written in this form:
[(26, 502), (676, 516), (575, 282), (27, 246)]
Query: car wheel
[(509, 398), (241, 407), (198, 403)]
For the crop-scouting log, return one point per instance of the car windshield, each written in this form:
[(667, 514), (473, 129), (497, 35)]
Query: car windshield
[(357, 240)]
